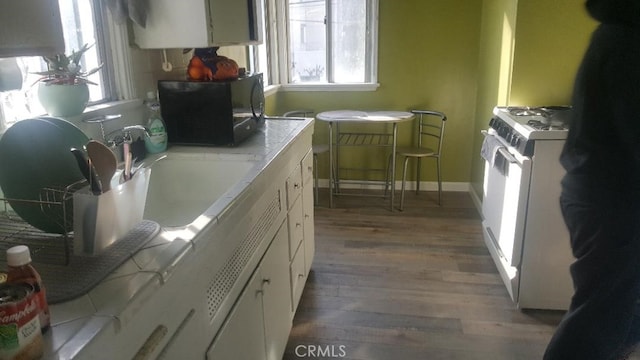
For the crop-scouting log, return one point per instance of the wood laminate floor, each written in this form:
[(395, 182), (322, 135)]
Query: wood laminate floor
[(418, 284)]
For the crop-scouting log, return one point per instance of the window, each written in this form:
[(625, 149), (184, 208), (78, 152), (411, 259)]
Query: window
[(82, 23), (332, 41), (259, 54), (318, 43), (264, 57)]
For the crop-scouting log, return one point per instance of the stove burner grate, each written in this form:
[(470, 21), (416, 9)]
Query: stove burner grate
[(543, 125), (526, 111), (538, 125)]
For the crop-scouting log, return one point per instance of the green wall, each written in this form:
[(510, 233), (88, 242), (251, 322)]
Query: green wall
[(494, 72), (548, 49), (428, 51), (461, 57), (549, 38), (270, 104)]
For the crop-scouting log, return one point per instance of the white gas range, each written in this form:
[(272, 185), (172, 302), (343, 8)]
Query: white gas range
[(522, 224)]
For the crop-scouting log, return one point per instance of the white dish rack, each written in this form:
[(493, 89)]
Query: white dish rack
[(45, 247)]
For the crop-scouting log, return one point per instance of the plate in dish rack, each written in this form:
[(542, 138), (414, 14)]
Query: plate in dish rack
[(34, 155)]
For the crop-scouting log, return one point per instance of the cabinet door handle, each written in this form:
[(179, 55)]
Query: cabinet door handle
[(170, 342), (296, 186), (266, 281), (300, 276), (152, 342)]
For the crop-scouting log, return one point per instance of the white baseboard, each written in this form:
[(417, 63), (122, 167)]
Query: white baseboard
[(411, 185)]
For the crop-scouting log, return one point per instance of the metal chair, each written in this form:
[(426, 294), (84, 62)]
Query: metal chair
[(316, 149), (430, 135)]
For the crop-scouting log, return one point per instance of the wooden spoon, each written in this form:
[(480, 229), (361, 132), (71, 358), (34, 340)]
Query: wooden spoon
[(104, 161)]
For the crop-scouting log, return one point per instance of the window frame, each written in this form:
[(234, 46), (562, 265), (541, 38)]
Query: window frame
[(107, 73), (114, 52), (117, 71), (120, 60), (277, 23)]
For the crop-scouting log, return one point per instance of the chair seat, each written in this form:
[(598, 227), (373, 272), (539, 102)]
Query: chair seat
[(319, 148), (414, 151)]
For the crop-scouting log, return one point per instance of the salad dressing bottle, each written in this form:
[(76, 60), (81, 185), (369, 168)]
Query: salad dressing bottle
[(21, 271)]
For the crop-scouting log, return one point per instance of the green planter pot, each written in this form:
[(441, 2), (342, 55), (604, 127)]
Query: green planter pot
[(63, 100)]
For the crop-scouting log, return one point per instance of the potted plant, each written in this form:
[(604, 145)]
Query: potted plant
[(63, 88)]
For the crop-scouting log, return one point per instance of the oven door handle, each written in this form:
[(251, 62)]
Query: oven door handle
[(502, 150), (507, 155)]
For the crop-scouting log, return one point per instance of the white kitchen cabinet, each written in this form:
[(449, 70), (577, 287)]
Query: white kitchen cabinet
[(195, 294), (298, 278), (307, 209), (275, 300), (259, 324), (299, 186), (271, 274), (242, 335), (200, 23), (294, 186), (295, 220), (280, 276), (296, 227), (30, 28)]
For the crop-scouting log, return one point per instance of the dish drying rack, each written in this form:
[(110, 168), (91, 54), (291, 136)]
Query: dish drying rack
[(48, 248)]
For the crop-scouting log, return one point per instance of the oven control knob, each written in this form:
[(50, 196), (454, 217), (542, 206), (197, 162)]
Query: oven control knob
[(495, 123), (502, 130), (515, 140)]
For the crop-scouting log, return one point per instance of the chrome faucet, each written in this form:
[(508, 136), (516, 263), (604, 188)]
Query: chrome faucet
[(123, 135)]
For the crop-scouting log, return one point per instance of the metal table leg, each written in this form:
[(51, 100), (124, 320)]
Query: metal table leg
[(331, 165), (393, 164), (337, 170)]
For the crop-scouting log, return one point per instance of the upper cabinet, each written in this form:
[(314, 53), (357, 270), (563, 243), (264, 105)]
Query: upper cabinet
[(200, 23), (30, 28)]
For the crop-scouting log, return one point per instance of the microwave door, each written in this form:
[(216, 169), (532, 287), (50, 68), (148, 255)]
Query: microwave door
[(257, 99)]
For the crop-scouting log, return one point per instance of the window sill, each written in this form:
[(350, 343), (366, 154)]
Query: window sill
[(330, 87), (271, 89)]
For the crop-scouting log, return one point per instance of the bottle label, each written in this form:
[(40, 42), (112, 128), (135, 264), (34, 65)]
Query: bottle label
[(20, 335), (158, 132)]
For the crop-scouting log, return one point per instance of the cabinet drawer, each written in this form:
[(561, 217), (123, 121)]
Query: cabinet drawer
[(295, 220), (307, 169), (298, 279), (294, 186), (309, 243)]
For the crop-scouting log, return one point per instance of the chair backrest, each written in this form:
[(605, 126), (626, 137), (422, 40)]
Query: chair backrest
[(299, 113), (431, 127)]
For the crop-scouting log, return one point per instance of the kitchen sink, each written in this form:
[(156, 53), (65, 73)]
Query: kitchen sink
[(182, 188)]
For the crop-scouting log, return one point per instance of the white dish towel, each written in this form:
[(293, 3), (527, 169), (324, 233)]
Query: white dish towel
[(490, 147)]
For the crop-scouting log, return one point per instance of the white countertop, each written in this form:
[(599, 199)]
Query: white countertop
[(77, 322)]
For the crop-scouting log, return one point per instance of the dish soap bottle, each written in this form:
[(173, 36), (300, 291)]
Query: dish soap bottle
[(157, 142), (21, 271)]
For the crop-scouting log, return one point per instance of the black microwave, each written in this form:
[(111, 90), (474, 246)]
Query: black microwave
[(212, 112)]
